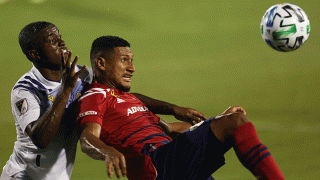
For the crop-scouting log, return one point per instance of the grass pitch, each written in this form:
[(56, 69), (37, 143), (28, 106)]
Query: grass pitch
[(204, 55)]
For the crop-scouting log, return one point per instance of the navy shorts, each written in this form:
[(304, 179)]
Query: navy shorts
[(194, 154)]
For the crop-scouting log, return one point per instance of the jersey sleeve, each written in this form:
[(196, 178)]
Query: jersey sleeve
[(25, 107), (92, 107)]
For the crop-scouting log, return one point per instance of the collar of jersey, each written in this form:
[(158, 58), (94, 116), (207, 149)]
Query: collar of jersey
[(105, 87), (49, 84)]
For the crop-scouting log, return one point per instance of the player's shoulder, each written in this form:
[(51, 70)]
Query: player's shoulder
[(27, 82), (87, 75), (96, 91), (25, 90)]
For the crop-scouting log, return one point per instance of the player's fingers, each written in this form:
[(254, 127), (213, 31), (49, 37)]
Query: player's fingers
[(64, 60), (199, 115), (117, 167), (73, 65), (196, 119), (123, 166), (80, 72), (109, 168), (68, 62)]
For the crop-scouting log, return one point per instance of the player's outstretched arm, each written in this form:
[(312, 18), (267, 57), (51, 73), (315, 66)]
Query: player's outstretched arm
[(162, 107), (96, 149), (175, 128), (43, 130)]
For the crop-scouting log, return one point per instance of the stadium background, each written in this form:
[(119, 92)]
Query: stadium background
[(204, 55)]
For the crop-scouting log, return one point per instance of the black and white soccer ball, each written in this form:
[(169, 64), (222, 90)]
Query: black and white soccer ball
[(285, 27)]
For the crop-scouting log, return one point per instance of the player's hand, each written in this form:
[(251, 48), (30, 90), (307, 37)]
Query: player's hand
[(116, 159), (234, 109), (69, 76), (189, 115)]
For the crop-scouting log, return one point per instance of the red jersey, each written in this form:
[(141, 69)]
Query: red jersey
[(125, 121)]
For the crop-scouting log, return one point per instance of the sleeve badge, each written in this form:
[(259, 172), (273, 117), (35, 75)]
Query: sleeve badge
[(22, 105)]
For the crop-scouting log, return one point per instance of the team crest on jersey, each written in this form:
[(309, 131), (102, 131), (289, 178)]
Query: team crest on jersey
[(78, 95), (22, 105), (50, 97), (112, 93)]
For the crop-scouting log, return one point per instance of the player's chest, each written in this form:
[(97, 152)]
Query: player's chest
[(50, 96), (126, 108)]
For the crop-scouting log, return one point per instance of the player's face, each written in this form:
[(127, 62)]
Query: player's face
[(51, 48), (120, 68)]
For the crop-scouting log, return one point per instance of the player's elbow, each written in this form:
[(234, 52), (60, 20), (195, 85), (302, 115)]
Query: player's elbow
[(40, 143), (88, 149), (39, 139), (85, 147), (41, 146)]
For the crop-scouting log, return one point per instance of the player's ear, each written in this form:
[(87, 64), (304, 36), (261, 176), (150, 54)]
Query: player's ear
[(101, 63), (34, 54)]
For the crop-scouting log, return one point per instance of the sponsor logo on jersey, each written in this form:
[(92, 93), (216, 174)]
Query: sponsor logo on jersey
[(133, 110), (87, 113), (22, 105)]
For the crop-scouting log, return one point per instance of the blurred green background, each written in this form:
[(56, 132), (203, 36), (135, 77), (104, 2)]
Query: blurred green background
[(205, 55)]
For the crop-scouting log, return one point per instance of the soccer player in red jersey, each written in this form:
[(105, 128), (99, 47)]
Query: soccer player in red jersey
[(119, 129)]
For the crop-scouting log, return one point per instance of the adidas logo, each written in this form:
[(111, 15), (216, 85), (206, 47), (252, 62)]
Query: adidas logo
[(120, 100)]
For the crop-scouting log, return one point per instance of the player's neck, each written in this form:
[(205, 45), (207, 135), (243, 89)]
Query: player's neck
[(105, 82), (53, 75)]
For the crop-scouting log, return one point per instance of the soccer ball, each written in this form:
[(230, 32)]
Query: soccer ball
[(285, 27)]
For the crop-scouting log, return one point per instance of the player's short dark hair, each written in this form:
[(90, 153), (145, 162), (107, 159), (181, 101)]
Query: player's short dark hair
[(104, 43), (27, 35)]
